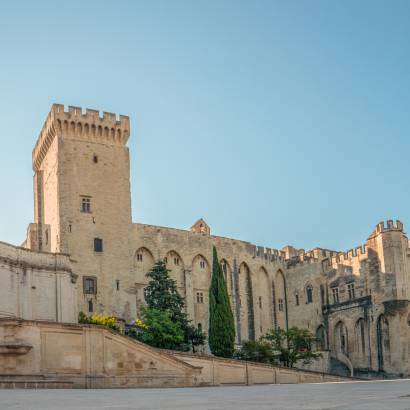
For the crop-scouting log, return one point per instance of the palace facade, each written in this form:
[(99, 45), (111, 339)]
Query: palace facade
[(356, 302)]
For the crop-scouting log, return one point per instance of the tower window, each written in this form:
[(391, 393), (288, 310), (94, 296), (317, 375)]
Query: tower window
[(90, 306), (260, 302), (86, 204), (117, 284), (350, 290), (202, 264), (200, 327), (176, 261), (280, 305), (139, 257), (199, 297), (90, 285), (297, 299), (309, 294), (95, 159), (98, 245), (335, 294)]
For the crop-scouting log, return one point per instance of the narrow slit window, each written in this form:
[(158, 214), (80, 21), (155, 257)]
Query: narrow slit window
[(98, 245)]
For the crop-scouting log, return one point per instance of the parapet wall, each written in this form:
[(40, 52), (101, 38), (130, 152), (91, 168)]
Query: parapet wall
[(218, 371), (26, 258), (81, 124), (87, 356)]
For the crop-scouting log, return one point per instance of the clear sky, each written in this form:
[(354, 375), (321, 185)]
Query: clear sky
[(278, 122)]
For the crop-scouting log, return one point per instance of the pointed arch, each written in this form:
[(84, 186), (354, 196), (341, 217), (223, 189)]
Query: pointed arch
[(227, 272), (143, 263), (175, 264), (281, 300), (341, 340), (360, 338), (308, 293), (263, 301), (383, 342), (201, 278), (246, 302), (321, 336)]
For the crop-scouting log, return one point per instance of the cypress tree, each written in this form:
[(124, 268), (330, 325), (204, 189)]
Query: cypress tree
[(221, 322)]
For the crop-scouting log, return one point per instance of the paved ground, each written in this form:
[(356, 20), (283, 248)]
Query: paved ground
[(388, 395)]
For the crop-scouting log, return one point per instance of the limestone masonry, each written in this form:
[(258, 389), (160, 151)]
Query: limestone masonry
[(357, 303)]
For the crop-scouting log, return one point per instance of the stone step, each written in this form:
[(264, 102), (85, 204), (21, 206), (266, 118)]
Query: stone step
[(35, 384)]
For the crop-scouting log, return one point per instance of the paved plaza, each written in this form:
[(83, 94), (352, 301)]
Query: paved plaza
[(385, 395)]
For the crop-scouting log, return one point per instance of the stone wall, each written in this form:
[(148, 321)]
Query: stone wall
[(217, 371), (36, 285), (86, 356)]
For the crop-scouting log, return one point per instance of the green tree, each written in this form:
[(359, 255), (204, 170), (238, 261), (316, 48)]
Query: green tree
[(196, 337), (162, 294), (256, 351), (221, 321), (292, 346), (160, 330)]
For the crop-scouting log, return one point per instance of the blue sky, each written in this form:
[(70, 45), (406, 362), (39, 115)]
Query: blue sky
[(278, 122)]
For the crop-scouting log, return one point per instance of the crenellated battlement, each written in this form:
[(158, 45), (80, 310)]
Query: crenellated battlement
[(76, 122), (359, 252), (389, 225), (269, 254)]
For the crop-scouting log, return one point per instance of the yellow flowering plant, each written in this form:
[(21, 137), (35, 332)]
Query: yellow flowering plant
[(109, 321), (139, 323)]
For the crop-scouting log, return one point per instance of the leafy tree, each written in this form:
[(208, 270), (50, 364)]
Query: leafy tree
[(196, 337), (292, 346), (221, 321), (159, 330), (162, 294), (279, 346), (256, 351)]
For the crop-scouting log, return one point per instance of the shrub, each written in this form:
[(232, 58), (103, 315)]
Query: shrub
[(109, 321)]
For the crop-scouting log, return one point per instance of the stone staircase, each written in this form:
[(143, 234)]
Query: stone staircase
[(27, 382), (339, 368)]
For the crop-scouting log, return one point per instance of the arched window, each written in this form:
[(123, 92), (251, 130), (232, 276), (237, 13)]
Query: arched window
[(360, 337), (341, 340), (321, 342), (309, 294), (383, 341)]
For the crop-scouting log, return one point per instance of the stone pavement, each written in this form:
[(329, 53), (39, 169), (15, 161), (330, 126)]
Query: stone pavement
[(380, 395)]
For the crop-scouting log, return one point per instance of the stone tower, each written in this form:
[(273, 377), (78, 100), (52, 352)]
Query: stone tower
[(83, 203), (389, 245)]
